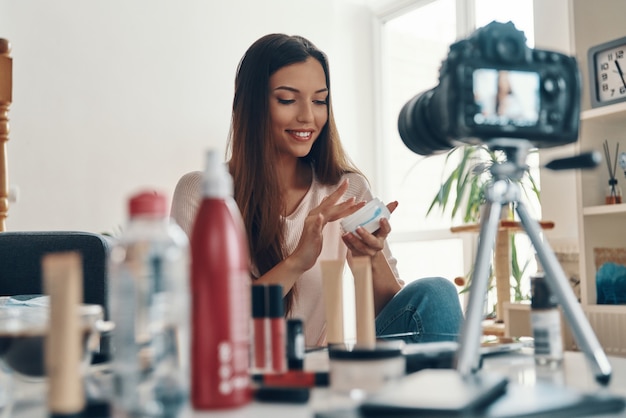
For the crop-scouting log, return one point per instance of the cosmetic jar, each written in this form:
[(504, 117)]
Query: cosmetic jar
[(368, 217), (24, 326), (364, 370)]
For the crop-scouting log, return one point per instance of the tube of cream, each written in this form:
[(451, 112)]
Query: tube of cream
[(364, 302), (63, 281), (332, 282)]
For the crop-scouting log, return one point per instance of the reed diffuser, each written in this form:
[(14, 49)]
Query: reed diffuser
[(613, 191)]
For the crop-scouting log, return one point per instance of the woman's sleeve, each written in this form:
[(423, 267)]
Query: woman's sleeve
[(186, 200)]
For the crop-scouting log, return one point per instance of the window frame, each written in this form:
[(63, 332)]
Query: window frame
[(465, 24)]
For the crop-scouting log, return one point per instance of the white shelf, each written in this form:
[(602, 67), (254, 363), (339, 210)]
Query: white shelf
[(595, 308), (605, 113), (600, 225), (605, 210)]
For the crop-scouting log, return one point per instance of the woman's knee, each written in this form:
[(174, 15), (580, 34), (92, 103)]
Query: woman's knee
[(435, 288)]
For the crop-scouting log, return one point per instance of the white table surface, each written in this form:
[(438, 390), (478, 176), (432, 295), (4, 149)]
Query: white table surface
[(519, 367)]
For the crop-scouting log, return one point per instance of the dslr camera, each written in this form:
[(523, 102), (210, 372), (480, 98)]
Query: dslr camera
[(492, 85)]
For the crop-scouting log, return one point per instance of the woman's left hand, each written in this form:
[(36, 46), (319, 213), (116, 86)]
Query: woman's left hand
[(369, 244)]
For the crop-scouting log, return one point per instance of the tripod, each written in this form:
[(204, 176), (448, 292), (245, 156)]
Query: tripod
[(505, 189)]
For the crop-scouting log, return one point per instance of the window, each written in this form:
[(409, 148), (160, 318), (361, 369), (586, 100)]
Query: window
[(413, 42)]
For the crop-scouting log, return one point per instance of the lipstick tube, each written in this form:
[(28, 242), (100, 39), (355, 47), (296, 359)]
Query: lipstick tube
[(260, 328), (277, 326), (293, 378)]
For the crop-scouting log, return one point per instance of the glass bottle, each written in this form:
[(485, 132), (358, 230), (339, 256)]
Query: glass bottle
[(546, 324), (613, 193)]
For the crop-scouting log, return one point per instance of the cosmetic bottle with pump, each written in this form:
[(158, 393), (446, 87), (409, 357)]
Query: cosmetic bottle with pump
[(220, 288)]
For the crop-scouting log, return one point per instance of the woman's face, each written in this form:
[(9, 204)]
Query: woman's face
[(298, 106)]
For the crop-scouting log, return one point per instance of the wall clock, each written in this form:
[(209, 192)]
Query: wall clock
[(607, 72)]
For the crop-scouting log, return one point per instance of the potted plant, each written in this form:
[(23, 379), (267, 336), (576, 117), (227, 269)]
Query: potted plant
[(462, 194)]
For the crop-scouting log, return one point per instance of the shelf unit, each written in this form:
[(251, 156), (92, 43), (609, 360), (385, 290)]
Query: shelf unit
[(600, 225)]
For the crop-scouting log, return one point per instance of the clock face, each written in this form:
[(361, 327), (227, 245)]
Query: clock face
[(607, 65), (611, 70)]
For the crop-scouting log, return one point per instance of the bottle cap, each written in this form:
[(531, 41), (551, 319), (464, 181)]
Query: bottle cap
[(276, 307), (147, 203), (542, 297), (259, 305), (216, 181)]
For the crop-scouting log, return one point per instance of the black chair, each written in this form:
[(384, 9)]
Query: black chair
[(21, 272)]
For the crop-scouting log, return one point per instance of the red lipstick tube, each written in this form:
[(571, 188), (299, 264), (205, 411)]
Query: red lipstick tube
[(277, 328), (260, 329), (293, 378)]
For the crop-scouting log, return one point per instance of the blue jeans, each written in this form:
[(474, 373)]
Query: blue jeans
[(428, 306)]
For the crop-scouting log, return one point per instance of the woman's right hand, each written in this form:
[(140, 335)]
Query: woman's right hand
[(310, 244)]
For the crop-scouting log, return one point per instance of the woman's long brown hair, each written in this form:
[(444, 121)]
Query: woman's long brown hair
[(252, 150)]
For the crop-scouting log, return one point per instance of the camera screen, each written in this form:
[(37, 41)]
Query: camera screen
[(506, 98)]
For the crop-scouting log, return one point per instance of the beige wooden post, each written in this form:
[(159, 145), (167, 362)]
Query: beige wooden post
[(6, 83), (502, 258)]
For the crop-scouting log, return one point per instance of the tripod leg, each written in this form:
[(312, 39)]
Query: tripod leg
[(559, 285), (468, 355)]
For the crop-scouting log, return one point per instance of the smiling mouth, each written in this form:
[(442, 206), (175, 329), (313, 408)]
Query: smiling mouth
[(301, 135)]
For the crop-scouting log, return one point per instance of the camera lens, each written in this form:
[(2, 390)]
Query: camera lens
[(417, 126), (491, 85)]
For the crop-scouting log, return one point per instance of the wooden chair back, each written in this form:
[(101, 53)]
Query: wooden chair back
[(6, 90)]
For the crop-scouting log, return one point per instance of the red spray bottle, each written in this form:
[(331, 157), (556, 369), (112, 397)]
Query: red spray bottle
[(220, 289)]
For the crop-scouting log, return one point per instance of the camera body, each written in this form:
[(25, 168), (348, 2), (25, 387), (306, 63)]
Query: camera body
[(492, 85)]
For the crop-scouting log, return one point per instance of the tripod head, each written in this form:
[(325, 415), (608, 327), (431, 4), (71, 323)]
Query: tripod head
[(517, 150)]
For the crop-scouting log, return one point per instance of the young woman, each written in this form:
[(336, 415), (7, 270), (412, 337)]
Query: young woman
[(293, 183)]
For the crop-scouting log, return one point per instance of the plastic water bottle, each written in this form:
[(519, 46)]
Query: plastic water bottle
[(220, 284), (149, 305)]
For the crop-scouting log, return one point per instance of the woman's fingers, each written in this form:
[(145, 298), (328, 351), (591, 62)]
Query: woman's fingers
[(360, 245), (366, 243), (310, 244), (332, 210)]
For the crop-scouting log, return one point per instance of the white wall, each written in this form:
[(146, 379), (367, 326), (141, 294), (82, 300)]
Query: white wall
[(111, 95), (558, 188)]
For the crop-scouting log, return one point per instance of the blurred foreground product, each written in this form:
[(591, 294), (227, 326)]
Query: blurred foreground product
[(149, 297), (546, 323), (268, 342), (220, 282), (63, 281)]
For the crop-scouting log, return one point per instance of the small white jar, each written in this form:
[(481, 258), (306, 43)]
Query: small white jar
[(368, 217), (364, 370)]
